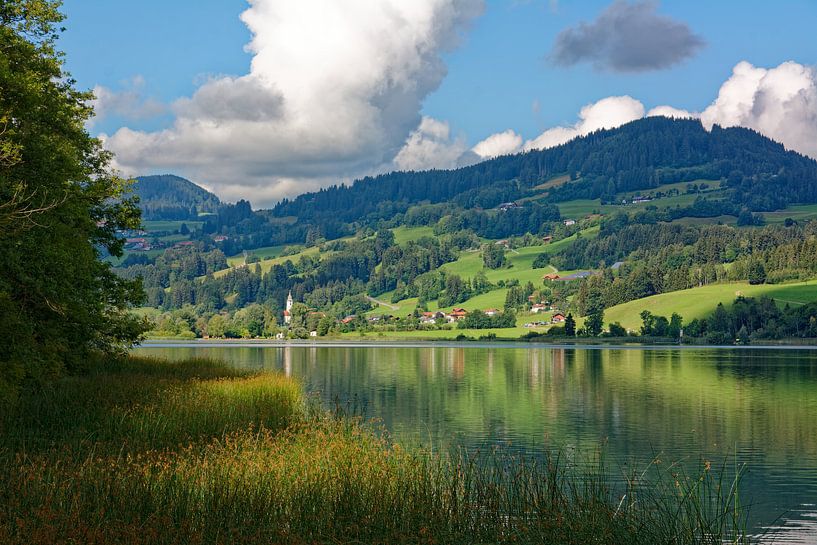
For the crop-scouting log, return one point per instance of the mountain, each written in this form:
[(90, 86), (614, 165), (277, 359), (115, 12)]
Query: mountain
[(758, 174), (169, 197)]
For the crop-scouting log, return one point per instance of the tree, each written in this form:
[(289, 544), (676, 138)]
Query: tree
[(594, 324), (493, 256), (647, 320), (676, 324), (617, 330), (184, 230), (58, 301), (570, 326), (756, 272)]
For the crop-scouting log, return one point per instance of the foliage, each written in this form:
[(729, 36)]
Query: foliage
[(493, 256), (479, 320), (58, 302)]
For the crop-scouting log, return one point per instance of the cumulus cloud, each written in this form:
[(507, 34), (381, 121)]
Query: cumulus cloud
[(502, 143), (779, 102), (607, 113), (671, 112), (334, 91), (128, 103), (430, 146), (627, 37)]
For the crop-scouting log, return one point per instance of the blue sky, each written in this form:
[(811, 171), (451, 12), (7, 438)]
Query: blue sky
[(500, 76)]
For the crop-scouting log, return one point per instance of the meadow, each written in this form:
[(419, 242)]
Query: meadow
[(141, 450), (701, 302)]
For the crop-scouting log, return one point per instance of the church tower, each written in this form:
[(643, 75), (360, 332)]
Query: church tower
[(288, 311)]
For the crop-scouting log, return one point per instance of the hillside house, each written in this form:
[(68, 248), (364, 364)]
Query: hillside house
[(568, 223), (505, 206), (491, 311), (456, 315), (538, 307), (550, 277), (558, 318), (431, 318)]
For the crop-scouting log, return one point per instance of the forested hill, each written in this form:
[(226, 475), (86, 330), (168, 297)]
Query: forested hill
[(759, 174), (168, 197)]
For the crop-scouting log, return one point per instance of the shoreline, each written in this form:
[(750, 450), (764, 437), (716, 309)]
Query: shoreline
[(495, 343)]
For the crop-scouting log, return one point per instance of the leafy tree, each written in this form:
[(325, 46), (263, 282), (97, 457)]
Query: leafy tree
[(493, 256), (756, 273), (617, 330), (58, 301), (594, 323), (647, 320), (676, 323)]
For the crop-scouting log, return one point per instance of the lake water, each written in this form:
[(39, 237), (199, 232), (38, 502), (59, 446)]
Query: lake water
[(752, 406)]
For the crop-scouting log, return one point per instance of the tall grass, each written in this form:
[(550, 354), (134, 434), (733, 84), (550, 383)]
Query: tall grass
[(152, 452)]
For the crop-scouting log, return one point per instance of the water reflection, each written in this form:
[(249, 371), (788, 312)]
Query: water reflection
[(757, 407)]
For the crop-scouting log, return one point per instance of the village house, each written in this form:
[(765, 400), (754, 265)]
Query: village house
[(538, 307), (558, 318), (551, 277), (431, 318), (456, 315), (547, 239), (348, 319), (491, 311), (505, 206), (220, 238), (568, 223)]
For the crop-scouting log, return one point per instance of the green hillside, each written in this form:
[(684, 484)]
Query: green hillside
[(700, 302)]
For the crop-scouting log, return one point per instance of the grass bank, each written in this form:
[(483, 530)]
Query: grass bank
[(146, 451)]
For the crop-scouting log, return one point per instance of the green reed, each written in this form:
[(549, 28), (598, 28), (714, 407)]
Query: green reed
[(146, 451)]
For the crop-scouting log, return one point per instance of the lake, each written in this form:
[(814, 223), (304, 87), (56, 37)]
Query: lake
[(739, 406)]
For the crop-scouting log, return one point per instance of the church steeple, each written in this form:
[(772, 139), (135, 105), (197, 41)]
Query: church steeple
[(289, 301)]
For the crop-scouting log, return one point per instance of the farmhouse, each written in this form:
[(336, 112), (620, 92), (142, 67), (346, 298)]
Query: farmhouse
[(558, 318), (551, 277), (568, 223), (431, 318), (457, 314)]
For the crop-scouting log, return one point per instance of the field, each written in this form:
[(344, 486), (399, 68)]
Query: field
[(163, 226), (405, 234), (144, 451), (268, 252), (700, 302), (803, 212), (267, 264)]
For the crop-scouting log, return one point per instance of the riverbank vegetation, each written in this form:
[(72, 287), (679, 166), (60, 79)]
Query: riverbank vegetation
[(145, 451)]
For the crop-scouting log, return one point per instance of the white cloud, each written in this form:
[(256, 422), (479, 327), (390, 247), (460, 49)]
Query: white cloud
[(669, 111), (607, 113), (334, 91), (430, 146), (128, 103), (779, 102), (502, 143)]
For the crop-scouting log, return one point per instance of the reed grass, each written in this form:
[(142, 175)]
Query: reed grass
[(151, 452)]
